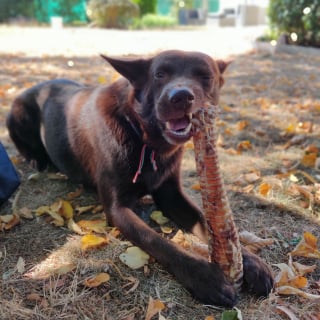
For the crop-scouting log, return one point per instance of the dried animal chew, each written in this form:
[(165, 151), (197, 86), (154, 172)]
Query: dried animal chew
[(224, 245)]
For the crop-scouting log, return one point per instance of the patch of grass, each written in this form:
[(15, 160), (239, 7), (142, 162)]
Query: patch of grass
[(153, 21)]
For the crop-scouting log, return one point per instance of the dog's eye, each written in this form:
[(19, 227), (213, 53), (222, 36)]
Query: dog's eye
[(159, 75)]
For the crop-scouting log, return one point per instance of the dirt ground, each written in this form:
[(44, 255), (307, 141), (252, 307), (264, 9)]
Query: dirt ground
[(270, 116)]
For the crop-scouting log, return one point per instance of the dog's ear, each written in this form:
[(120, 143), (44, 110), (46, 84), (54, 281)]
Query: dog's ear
[(136, 71), (222, 65)]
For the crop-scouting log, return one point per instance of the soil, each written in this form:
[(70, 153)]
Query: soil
[(270, 115)]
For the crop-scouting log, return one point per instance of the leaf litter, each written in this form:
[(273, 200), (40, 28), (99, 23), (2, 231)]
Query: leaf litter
[(269, 138)]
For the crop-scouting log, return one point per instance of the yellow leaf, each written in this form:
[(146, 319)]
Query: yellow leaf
[(74, 227), (12, 222), (242, 125), (298, 282), (196, 186), (244, 145), (63, 269), (154, 306), (102, 80), (166, 230), (98, 225), (97, 280), (291, 128), (66, 209), (209, 318), (189, 145), (81, 210), (42, 210), (307, 247), (287, 290), (57, 219), (309, 159), (264, 189), (90, 241), (134, 257), (158, 217)]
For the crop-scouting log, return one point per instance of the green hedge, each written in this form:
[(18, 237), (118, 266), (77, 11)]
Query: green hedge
[(146, 6), (297, 17), (112, 13)]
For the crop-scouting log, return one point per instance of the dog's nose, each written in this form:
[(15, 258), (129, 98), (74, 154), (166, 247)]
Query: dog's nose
[(182, 96)]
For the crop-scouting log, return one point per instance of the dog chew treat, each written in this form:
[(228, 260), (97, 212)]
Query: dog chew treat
[(224, 244)]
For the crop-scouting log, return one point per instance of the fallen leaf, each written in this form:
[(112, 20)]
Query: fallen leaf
[(12, 223), (302, 269), (158, 217), (287, 312), (57, 219), (209, 318), (189, 145), (309, 159), (287, 290), (253, 242), (244, 145), (154, 306), (196, 186), (21, 265), (134, 257), (231, 315), (80, 210), (133, 283), (242, 125), (65, 209), (97, 280), (252, 177), (307, 247), (57, 176), (90, 241), (166, 229), (98, 225), (74, 227), (74, 194), (34, 297), (264, 189), (25, 213)]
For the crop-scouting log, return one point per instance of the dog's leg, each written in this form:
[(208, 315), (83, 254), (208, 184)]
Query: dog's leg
[(205, 281), (176, 205), (23, 123)]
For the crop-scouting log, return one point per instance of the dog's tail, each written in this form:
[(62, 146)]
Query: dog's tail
[(24, 123)]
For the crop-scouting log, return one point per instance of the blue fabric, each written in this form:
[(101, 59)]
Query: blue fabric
[(9, 179)]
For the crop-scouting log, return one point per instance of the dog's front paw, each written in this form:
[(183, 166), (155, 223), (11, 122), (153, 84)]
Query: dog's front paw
[(257, 275), (207, 283)]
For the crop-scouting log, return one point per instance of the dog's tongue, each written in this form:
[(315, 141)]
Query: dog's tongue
[(178, 124)]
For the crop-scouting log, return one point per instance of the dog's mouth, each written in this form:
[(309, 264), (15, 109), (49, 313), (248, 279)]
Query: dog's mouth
[(179, 130)]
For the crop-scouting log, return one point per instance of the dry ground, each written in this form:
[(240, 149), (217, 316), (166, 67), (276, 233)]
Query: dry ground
[(271, 101)]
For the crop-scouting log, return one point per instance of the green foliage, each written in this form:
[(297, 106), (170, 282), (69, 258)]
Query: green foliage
[(292, 16), (153, 21), (112, 13), (12, 9), (146, 6)]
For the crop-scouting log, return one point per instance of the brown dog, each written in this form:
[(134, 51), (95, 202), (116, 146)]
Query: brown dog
[(127, 140)]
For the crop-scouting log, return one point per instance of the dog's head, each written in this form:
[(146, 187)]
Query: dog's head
[(170, 87)]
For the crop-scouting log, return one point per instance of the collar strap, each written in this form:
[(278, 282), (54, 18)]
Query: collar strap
[(141, 162)]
